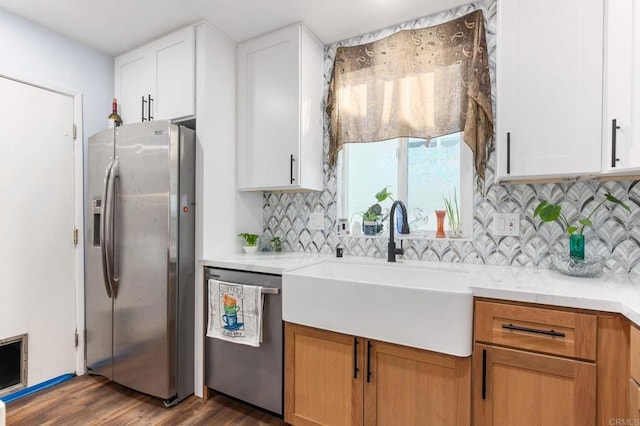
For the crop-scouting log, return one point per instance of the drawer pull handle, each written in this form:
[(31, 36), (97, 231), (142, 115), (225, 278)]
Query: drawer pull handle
[(508, 152), (149, 109), (144, 101), (533, 330), (355, 358), (368, 361), (484, 374), (614, 133), (291, 160)]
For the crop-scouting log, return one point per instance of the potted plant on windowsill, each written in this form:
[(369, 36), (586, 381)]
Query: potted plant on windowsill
[(250, 242), (453, 215), (548, 212), (372, 217)]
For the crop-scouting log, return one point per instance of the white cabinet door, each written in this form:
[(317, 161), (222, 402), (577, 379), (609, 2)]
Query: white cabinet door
[(161, 72), (268, 91), (279, 111), (549, 82), (622, 87), (132, 83), (174, 58)]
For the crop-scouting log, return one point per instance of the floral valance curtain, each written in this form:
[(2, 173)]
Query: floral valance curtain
[(420, 83)]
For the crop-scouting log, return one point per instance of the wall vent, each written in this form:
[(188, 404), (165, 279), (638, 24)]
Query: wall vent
[(13, 364)]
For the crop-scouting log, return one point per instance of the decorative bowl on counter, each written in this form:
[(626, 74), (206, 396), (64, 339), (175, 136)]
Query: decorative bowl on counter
[(590, 267)]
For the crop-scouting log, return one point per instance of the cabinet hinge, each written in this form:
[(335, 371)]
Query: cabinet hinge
[(75, 236), (76, 337), (75, 131)]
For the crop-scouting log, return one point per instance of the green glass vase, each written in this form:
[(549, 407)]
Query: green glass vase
[(576, 246)]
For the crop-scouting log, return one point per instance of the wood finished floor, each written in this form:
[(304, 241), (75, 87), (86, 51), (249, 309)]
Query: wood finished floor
[(91, 400)]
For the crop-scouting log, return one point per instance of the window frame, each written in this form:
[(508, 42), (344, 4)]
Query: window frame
[(465, 192)]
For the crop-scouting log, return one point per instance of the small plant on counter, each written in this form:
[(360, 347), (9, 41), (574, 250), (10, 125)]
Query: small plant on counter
[(548, 212), (250, 239), (276, 244)]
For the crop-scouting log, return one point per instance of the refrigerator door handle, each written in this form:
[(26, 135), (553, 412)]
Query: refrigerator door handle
[(103, 231), (109, 225)]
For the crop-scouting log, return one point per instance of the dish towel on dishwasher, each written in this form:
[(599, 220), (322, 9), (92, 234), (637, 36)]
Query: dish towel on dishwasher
[(235, 312)]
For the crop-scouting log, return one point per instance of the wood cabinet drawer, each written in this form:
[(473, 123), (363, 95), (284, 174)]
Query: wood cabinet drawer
[(544, 330), (634, 366)]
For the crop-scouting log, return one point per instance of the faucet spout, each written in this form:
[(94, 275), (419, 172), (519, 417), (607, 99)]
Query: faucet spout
[(392, 251)]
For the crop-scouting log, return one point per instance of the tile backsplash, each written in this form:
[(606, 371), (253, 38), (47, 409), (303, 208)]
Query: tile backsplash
[(615, 233)]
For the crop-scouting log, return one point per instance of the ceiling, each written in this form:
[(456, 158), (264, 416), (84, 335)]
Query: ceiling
[(117, 26)]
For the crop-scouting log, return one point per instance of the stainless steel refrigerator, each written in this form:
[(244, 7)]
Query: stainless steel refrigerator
[(139, 258)]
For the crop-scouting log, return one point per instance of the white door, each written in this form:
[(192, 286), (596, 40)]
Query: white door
[(37, 254)]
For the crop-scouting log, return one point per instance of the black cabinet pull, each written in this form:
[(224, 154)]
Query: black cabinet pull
[(149, 108), (484, 374), (355, 358), (614, 133), (144, 101), (508, 152), (533, 330), (291, 168), (368, 361)]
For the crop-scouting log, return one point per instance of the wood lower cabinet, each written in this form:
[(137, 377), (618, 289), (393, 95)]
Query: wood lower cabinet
[(538, 365), (634, 373), (634, 401), (514, 387), (323, 377), (408, 386), (337, 379)]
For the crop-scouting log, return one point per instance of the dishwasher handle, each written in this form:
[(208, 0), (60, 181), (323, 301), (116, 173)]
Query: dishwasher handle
[(265, 290)]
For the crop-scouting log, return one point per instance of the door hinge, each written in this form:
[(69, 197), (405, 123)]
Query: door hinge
[(75, 131), (76, 337), (75, 236)]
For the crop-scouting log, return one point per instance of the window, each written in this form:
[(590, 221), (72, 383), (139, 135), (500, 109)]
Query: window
[(417, 174)]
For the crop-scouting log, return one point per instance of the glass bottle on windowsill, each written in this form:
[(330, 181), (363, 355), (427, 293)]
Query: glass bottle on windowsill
[(440, 214), (114, 117)]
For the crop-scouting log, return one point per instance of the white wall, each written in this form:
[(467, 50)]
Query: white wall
[(36, 55), (222, 212), (33, 53)]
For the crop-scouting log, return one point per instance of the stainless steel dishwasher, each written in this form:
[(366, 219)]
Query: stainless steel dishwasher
[(254, 375)]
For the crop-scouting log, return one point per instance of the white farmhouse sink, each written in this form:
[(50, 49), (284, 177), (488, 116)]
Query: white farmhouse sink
[(423, 307)]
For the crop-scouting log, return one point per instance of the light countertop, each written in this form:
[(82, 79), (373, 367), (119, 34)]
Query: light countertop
[(611, 293), (267, 263)]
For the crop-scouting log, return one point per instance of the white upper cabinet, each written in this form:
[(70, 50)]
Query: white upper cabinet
[(549, 88), (280, 82), (132, 82), (621, 137), (157, 80)]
